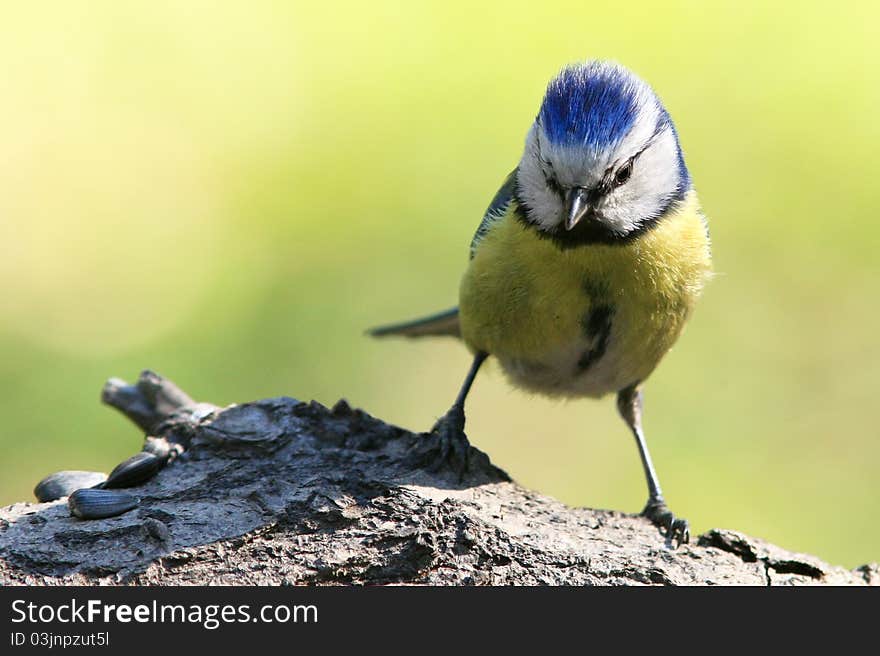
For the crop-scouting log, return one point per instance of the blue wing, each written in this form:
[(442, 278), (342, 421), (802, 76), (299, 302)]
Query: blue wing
[(496, 209)]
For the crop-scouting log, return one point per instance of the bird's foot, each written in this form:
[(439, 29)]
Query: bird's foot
[(446, 447), (677, 530)]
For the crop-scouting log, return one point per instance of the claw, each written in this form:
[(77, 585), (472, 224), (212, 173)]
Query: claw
[(446, 447), (683, 530), (676, 530)]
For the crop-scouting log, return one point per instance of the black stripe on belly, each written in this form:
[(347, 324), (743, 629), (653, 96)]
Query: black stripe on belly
[(596, 325)]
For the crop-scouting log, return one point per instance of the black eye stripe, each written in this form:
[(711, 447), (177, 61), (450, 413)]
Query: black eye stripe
[(547, 171), (553, 185)]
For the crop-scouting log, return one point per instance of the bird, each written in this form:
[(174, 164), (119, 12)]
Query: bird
[(587, 263)]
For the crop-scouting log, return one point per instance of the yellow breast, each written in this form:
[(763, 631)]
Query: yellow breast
[(534, 305)]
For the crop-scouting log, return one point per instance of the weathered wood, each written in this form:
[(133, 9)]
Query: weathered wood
[(280, 491)]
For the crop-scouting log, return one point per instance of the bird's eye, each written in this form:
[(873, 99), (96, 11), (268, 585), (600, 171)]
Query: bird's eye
[(553, 185), (623, 174)]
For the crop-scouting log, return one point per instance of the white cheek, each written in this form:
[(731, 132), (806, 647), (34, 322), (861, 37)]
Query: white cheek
[(545, 206), (654, 181)]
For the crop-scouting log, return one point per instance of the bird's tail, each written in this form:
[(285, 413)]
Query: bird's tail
[(443, 324)]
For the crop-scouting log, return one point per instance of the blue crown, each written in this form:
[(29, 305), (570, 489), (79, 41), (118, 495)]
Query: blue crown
[(592, 105)]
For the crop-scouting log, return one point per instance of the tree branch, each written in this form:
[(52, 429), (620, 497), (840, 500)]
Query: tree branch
[(280, 491)]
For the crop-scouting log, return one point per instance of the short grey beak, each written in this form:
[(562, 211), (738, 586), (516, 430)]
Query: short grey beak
[(577, 205)]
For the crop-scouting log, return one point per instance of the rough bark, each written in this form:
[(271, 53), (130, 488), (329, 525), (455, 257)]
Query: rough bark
[(284, 492)]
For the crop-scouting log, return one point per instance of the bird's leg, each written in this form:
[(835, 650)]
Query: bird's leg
[(629, 403), (449, 446)]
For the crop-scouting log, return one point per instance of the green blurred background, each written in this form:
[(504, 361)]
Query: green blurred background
[(229, 193)]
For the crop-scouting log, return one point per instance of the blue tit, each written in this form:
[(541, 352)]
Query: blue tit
[(588, 261)]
